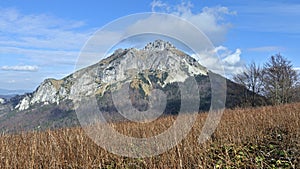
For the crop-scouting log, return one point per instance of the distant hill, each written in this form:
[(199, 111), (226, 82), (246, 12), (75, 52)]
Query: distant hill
[(5, 93)]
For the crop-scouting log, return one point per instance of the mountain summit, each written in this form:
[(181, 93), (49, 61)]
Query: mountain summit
[(159, 60), (159, 45)]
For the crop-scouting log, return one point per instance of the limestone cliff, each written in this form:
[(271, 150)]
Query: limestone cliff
[(156, 59)]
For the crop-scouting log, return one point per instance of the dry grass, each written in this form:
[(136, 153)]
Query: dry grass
[(267, 137)]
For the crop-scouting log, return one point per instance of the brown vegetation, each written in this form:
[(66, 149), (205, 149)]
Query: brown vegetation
[(267, 137)]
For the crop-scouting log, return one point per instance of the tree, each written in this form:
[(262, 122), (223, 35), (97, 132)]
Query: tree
[(279, 79), (251, 78), (296, 92)]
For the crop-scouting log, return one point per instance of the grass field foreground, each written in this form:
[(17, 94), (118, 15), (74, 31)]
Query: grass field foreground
[(266, 137)]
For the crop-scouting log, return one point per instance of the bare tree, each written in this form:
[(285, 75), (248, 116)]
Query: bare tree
[(279, 79), (251, 78), (296, 91)]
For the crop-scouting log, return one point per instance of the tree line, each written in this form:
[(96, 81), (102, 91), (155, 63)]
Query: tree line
[(276, 80)]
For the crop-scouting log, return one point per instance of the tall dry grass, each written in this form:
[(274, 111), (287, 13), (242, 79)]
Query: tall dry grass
[(267, 137)]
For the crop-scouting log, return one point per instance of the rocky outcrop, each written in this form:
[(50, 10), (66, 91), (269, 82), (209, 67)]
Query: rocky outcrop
[(2, 101), (158, 45), (24, 104), (120, 67)]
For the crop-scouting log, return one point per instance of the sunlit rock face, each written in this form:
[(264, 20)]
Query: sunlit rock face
[(158, 62), (2, 101)]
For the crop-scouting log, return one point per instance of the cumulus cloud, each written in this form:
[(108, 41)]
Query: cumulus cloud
[(50, 42), (27, 68), (159, 4), (210, 20), (225, 61), (233, 58), (233, 63)]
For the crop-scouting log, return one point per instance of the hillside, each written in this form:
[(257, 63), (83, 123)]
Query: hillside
[(266, 137)]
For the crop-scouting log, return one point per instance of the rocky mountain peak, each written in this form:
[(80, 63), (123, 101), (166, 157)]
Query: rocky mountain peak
[(158, 45), (158, 61)]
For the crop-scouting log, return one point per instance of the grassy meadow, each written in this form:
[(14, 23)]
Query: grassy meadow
[(265, 137)]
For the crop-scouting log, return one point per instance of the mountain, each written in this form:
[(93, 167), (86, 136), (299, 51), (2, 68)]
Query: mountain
[(159, 65), (176, 66), (6, 92)]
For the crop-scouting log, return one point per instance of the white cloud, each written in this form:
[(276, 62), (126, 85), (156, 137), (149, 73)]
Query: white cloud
[(40, 32), (46, 45), (20, 68), (158, 4), (12, 21), (40, 43), (233, 58), (228, 61), (266, 49), (210, 20), (48, 41)]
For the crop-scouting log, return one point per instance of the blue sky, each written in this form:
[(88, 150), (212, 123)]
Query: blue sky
[(42, 39)]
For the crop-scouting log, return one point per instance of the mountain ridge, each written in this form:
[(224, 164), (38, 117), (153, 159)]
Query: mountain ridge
[(159, 65), (121, 65)]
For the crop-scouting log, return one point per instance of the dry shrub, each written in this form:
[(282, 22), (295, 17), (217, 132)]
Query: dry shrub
[(266, 137)]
